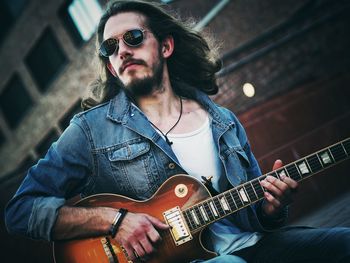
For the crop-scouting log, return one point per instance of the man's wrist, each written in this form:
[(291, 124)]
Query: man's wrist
[(273, 220), (278, 216), (117, 220)]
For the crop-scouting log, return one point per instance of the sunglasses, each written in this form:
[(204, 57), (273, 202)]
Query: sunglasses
[(132, 38)]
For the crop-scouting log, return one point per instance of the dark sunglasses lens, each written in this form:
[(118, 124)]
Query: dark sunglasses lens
[(108, 47), (133, 37)]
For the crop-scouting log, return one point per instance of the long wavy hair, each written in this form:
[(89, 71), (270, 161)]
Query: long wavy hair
[(194, 61)]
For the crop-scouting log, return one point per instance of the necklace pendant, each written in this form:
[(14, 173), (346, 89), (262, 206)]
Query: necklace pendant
[(168, 141)]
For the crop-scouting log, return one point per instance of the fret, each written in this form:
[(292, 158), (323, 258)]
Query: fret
[(192, 219), (293, 172), (274, 174), (346, 145), (282, 172), (325, 158), (250, 191), (195, 218), (199, 215), (338, 152), (342, 145), (314, 163), (209, 211), (256, 197), (204, 213), (218, 206), (231, 202), (213, 208), (330, 153), (243, 194), (224, 203), (262, 178), (258, 188), (304, 168), (189, 219), (236, 197), (320, 160), (231, 194)]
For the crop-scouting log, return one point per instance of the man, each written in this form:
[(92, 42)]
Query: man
[(153, 120)]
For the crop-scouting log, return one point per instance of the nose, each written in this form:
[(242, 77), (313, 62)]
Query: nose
[(124, 50)]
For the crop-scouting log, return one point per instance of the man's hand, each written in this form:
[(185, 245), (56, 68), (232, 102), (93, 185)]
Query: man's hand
[(138, 234), (279, 192)]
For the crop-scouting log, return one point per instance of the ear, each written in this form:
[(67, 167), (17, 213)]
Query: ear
[(168, 46), (111, 69)]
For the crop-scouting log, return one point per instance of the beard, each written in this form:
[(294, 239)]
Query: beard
[(139, 87)]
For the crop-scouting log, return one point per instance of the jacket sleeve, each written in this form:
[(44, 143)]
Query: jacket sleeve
[(60, 175)]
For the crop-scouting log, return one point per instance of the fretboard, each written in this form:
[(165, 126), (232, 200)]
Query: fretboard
[(228, 202)]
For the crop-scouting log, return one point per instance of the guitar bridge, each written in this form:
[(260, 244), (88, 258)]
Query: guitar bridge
[(178, 227)]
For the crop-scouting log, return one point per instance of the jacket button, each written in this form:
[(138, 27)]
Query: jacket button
[(171, 166)]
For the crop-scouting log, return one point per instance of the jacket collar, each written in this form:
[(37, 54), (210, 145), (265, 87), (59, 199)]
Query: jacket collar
[(120, 108)]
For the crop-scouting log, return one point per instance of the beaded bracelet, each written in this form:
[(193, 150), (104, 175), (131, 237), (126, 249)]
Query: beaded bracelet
[(117, 221)]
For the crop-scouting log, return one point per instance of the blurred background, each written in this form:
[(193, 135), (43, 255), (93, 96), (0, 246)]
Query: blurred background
[(285, 74)]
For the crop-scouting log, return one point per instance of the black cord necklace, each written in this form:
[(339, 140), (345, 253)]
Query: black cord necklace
[(165, 135)]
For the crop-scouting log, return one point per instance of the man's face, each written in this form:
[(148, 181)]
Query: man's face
[(139, 68)]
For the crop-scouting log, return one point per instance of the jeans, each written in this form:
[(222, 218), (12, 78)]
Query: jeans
[(301, 245), (295, 245)]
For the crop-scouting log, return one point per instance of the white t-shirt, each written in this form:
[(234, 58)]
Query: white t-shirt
[(197, 154)]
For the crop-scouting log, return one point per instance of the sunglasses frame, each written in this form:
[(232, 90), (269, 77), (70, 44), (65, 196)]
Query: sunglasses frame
[(117, 40)]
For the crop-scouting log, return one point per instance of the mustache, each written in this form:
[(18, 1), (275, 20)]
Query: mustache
[(131, 61)]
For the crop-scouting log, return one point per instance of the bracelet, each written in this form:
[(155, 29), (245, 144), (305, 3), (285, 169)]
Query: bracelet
[(117, 221)]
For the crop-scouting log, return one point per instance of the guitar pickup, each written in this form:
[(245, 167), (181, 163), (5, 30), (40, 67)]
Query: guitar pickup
[(178, 228)]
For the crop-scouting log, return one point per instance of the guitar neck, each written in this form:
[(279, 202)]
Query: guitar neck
[(228, 202)]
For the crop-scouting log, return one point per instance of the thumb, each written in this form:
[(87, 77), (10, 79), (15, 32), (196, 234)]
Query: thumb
[(277, 164), (157, 223)]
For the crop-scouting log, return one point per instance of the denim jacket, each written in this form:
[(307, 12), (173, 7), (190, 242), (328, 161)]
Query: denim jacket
[(113, 148)]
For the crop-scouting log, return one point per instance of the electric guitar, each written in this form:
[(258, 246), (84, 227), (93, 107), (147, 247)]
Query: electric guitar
[(186, 205)]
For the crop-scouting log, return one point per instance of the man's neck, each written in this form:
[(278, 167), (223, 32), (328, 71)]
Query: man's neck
[(162, 104), (165, 110)]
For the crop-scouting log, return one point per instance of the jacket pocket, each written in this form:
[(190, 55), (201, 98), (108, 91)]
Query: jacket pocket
[(129, 151), (133, 169)]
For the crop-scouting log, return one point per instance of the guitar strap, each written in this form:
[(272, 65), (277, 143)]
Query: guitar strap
[(208, 184)]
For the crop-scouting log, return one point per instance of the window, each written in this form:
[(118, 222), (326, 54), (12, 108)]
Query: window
[(46, 142), (64, 121), (15, 101), (80, 17), (10, 10), (45, 60)]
